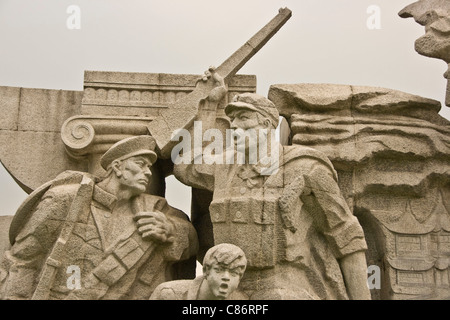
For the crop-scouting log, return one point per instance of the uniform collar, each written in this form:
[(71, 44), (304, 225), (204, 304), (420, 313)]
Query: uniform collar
[(103, 197), (264, 167)]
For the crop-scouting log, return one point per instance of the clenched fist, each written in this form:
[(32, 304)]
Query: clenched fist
[(154, 226)]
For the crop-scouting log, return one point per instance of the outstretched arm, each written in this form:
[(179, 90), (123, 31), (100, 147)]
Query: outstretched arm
[(191, 166), (343, 231)]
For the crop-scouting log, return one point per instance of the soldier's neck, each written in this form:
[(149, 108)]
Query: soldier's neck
[(254, 154), (114, 187)]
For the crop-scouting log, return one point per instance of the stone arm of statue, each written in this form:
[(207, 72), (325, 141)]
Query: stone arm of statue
[(183, 242), (167, 227), (195, 174), (196, 171), (154, 226), (354, 269), (219, 92), (342, 229)]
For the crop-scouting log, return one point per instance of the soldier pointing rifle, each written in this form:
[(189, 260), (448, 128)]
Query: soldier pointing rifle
[(287, 215), (123, 241)]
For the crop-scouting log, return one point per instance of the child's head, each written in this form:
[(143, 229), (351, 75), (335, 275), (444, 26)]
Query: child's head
[(223, 267)]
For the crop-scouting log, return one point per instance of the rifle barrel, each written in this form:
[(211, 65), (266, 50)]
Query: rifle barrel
[(238, 59)]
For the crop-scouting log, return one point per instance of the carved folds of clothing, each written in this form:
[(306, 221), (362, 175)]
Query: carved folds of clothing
[(114, 253), (295, 219)]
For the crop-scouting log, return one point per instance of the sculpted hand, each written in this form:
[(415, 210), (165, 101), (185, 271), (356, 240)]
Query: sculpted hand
[(154, 226), (211, 72), (218, 93)]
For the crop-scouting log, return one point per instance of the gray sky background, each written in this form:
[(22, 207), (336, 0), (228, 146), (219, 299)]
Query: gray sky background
[(325, 41)]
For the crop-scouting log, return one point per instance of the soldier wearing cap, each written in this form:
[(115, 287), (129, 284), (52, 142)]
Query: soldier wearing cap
[(295, 228), (81, 237)]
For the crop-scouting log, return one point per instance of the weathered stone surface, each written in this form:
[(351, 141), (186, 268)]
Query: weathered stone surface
[(144, 94), (349, 100), (9, 104), (352, 124), (434, 15), (5, 221), (34, 119), (57, 132), (447, 95), (35, 157), (44, 110), (391, 151), (392, 154), (31, 147)]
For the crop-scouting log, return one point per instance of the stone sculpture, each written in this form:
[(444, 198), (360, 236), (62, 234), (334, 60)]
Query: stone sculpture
[(287, 214), (434, 15), (109, 111), (362, 179), (119, 242), (391, 152), (223, 268), (182, 113)]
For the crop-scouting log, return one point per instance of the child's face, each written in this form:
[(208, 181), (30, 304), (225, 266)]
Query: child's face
[(222, 281)]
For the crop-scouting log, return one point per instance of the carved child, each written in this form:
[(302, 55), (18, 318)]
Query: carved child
[(223, 268)]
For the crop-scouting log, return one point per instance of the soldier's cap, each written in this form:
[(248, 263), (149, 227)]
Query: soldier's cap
[(130, 147), (254, 102)]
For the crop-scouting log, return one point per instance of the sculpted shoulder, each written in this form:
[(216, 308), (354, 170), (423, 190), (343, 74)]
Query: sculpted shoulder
[(52, 197), (306, 158), (172, 290)]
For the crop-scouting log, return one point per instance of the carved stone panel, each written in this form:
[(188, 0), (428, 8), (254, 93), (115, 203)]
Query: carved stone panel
[(392, 153)]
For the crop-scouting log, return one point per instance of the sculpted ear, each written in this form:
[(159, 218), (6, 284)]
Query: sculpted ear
[(205, 271), (116, 167), (264, 121)]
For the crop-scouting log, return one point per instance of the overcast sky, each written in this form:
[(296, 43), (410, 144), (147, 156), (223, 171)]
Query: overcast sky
[(325, 41)]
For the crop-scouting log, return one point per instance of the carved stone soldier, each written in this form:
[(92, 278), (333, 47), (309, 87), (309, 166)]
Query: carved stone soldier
[(288, 215), (119, 241)]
